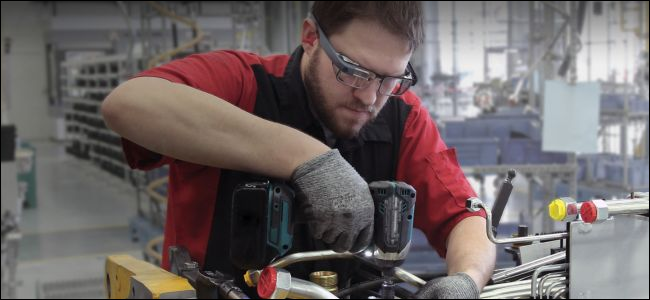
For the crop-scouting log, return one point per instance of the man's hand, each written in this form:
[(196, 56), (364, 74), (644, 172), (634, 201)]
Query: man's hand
[(336, 202), (458, 286)]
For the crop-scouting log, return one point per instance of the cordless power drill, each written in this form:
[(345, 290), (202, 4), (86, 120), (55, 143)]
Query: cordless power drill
[(262, 224), (394, 213)]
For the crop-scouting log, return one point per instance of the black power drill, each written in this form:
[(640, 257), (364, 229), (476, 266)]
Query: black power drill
[(394, 213), (263, 211)]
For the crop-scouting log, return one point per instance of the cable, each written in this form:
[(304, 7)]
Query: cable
[(150, 249), (169, 54), (151, 190), (403, 293), (367, 285)]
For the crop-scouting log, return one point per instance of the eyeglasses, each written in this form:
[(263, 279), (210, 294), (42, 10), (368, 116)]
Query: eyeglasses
[(352, 74)]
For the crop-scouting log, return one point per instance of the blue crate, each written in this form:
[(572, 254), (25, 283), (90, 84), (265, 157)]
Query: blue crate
[(637, 173), (513, 112), (494, 127), (454, 130), (525, 128), (617, 101), (522, 127), (513, 152), (546, 157), (475, 151), (503, 127), (592, 166), (499, 129), (585, 193), (609, 167), (601, 165), (528, 151), (474, 129), (582, 172)]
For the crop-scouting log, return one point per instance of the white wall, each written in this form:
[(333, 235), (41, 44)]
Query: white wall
[(24, 69)]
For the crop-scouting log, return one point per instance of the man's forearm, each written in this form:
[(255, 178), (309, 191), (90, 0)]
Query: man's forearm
[(187, 124), (469, 251)]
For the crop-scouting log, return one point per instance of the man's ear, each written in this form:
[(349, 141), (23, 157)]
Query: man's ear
[(309, 37)]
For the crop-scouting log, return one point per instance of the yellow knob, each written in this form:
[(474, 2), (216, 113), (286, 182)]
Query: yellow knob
[(248, 278), (557, 210)]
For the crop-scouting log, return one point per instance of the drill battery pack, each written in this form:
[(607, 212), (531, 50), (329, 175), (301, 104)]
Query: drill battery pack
[(261, 226)]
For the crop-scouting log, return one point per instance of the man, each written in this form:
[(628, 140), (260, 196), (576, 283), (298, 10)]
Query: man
[(330, 118)]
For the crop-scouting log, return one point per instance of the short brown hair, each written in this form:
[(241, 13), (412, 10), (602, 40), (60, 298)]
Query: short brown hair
[(403, 18)]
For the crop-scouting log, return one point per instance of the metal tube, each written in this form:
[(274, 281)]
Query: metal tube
[(552, 268), (309, 256), (557, 294), (540, 289), (505, 285), (549, 49), (499, 290), (329, 254), (627, 207), (506, 290), (554, 285), (475, 204), (509, 287), (303, 289), (626, 201), (512, 295), (409, 277), (551, 259), (252, 276), (596, 211)]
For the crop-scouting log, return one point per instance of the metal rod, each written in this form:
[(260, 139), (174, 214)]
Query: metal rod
[(559, 293), (254, 275), (627, 207), (505, 285), (540, 289), (549, 49), (512, 295), (329, 254), (498, 290), (475, 204), (303, 289), (527, 267), (554, 285), (309, 256), (409, 277), (533, 284), (506, 290)]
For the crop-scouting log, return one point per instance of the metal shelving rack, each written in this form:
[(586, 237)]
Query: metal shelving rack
[(625, 116), (87, 81)]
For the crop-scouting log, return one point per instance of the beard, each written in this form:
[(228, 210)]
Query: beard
[(324, 111)]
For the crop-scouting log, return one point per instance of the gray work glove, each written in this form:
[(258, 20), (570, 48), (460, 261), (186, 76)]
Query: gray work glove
[(457, 286), (335, 201)]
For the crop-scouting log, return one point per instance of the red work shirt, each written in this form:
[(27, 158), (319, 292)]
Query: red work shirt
[(272, 87)]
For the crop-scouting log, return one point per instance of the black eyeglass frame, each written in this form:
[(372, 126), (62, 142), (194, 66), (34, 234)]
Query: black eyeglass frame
[(350, 67)]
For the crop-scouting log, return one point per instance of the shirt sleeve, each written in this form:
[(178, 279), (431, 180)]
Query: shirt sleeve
[(432, 169), (224, 74)]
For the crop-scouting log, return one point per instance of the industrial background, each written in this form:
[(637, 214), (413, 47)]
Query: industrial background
[(557, 90)]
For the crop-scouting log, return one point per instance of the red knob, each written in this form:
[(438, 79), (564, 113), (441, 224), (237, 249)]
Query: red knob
[(588, 212), (267, 283)]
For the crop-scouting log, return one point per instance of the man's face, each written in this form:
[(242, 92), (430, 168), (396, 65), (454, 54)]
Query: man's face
[(345, 110)]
